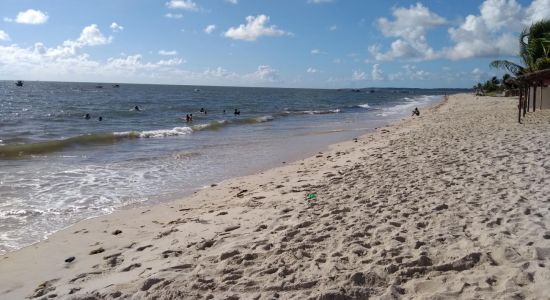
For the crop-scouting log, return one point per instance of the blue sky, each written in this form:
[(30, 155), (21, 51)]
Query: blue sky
[(284, 43)]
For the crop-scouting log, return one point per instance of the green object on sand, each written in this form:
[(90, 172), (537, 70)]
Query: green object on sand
[(312, 196)]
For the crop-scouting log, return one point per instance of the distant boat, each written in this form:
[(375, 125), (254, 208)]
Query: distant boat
[(19, 83), (197, 90), (99, 86), (356, 90), (116, 85)]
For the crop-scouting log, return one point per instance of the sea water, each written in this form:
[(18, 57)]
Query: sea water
[(58, 167)]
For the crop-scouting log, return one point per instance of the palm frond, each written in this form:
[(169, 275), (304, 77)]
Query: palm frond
[(508, 65)]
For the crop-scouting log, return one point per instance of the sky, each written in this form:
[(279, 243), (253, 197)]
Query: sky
[(272, 43)]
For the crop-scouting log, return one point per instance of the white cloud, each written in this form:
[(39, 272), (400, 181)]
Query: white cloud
[(410, 23), (92, 36), (232, 1), (493, 32), (319, 1), (538, 10), (31, 16), (168, 53), (171, 62), (68, 62), (410, 27), (183, 4), (173, 16), (478, 74), (312, 70), (210, 28), (333, 28), (254, 28), (264, 73), (4, 36), (377, 73), (317, 51), (358, 76), (220, 73), (410, 72), (116, 27)]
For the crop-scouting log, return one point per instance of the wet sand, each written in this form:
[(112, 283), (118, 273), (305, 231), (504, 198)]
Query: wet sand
[(452, 204)]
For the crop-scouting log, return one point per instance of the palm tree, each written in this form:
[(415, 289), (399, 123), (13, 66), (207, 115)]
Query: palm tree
[(534, 50)]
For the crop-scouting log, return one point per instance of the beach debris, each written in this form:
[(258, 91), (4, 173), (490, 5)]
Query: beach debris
[(311, 198), (70, 259), (117, 232)]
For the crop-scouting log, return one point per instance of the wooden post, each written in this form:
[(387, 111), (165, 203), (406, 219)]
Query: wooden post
[(525, 100), (528, 97), (541, 86), (534, 98), (519, 106)]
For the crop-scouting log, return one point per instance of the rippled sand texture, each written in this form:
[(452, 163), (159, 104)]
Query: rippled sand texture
[(453, 204)]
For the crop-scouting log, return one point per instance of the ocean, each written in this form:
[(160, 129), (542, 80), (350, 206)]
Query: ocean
[(58, 167)]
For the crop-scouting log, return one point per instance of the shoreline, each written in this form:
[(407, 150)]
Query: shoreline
[(344, 135), (371, 230)]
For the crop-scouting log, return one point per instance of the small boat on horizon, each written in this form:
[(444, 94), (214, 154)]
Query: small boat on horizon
[(19, 83), (116, 85), (99, 86)]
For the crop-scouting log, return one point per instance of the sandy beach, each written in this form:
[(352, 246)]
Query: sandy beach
[(452, 204)]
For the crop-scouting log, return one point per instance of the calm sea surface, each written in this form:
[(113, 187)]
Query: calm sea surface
[(57, 167)]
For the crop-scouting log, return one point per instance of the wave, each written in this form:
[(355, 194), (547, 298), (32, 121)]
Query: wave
[(365, 105), (176, 131), (216, 125), (8, 151), (18, 150), (310, 112), (408, 105)]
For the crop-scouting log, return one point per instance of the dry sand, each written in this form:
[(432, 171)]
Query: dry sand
[(453, 204)]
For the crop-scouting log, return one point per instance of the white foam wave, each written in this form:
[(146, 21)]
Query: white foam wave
[(408, 106), (322, 112), (264, 119), (176, 131), (365, 105)]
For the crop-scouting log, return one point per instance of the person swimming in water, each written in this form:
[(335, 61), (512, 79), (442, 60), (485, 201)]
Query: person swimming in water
[(87, 117), (100, 118), (136, 108), (190, 117), (187, 118), (237, 112)]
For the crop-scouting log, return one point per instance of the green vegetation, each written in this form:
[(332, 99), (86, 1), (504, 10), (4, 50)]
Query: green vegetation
[(495, 86), (534, 53)]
